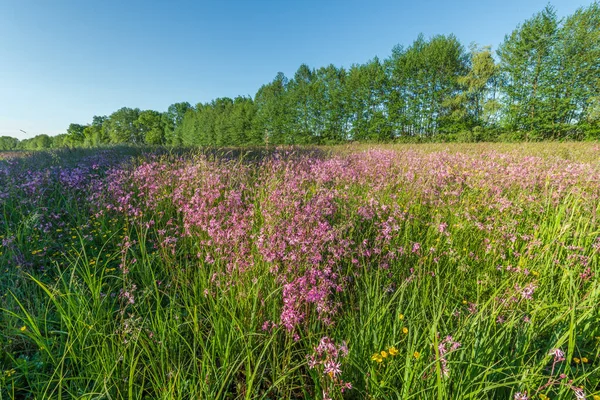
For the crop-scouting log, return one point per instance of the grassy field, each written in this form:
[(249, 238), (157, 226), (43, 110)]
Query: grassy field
[(360, 272)]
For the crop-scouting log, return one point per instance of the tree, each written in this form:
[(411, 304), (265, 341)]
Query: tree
[(331, 104), (475, 105), (96, 133), (301, 103), (242, 116), (75, 135), (173, 121), (272, 121), (8, 143), (527, 64), (122, 127), (149, 126), (577, 85), (423, 78)]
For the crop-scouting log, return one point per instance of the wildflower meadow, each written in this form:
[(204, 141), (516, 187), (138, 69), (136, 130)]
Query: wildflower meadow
[(383, 272)]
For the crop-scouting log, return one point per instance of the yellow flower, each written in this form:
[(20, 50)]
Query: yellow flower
[(416, 354), (376, 357), (464, 302), (577, 360), (584, 360), (400, 317), (384, 354), (23, 328), (544, 397), (596, 397), (393, 351), (405, 330)]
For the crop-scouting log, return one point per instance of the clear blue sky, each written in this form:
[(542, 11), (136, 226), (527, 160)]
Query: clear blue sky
[(65, 61)]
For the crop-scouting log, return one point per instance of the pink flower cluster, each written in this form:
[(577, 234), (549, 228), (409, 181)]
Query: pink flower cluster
[(447, 345), (327, 359)]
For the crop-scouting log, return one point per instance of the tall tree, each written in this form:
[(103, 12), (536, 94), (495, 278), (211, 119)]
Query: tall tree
[(172, 122), (577, 85), (423, 78), (8, 143), (476, 105), (96, 134), (301, 106), (272, 120), (527, 65), (75, 135), (122, 126), (331, 104), (149, 125)]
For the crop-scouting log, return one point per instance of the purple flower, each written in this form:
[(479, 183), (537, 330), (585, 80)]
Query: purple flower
[(558, 354)]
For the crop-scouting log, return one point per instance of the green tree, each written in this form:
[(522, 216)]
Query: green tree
[(96, 133), (75, 135), (272, 121), (150, 127), (366, 93), (423, 78), (173, 121), (331, 104), (122, 127), (475, 105), (577, 85), (527, 64), (8, 143)]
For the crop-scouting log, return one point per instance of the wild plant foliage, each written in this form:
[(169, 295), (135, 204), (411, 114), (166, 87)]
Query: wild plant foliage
[(400, 272)]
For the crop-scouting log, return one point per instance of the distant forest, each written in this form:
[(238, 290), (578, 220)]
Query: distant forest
[(543, 83)]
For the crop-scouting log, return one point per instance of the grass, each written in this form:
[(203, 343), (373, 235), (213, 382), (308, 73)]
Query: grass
[(245, 274)]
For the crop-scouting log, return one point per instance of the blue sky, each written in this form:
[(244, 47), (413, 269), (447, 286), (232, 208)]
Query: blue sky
[(65, 61)]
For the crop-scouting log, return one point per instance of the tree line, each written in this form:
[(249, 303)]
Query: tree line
[(542, 83)]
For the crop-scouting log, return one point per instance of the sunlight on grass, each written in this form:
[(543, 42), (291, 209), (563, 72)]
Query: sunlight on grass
[(396, 271)]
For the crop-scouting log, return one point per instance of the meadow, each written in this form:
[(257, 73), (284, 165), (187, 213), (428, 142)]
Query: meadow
[(430, 271)]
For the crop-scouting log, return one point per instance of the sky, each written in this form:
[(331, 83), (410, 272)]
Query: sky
[(63, 62)]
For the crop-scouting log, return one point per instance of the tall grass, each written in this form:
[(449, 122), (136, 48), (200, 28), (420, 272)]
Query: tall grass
[(405, 272)]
